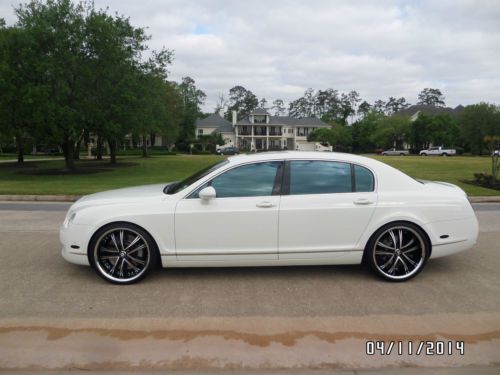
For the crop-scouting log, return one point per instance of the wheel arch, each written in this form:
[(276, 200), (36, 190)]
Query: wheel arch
[(403, 221), (118, 222)]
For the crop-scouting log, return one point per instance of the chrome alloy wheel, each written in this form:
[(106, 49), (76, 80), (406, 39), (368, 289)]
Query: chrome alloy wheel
[(121, 255), (399, 252)]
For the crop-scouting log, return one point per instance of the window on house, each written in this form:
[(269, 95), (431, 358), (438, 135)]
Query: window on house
[(200, 131)]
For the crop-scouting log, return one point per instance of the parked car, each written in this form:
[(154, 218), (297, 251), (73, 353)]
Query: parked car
[(272, 209), (231, 150), (438, 151), (395, 151)]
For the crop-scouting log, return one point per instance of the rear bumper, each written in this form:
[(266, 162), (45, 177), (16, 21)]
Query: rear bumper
[(461, 235)]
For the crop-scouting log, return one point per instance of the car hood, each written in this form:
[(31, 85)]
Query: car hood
[(128, 195)]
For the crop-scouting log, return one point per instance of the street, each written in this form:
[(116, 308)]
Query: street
[(55, 315)]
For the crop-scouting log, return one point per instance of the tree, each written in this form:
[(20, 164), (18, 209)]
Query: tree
[(391, 131), (242, 101), (394, 105), (419, 132), (443, 130), (362, 131), (263, 103), (364, 108), (279, 107), (337, 136), (192, 98), (379, 106), (493, 142), (433, 97), (478, 121)]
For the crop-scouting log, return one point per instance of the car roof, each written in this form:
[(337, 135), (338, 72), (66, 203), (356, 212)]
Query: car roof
[(291, 155)]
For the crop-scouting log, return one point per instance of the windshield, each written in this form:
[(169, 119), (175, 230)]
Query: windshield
[(178, 186)]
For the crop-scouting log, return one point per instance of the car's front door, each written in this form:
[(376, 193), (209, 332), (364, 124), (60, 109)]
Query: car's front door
[(328, 206), (240, 223)]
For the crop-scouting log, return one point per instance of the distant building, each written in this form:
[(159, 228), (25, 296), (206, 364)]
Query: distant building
[(262, 131), (414, 110)]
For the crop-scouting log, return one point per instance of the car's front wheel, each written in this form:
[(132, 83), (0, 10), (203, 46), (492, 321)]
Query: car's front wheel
[(122, 253), (398, 251)]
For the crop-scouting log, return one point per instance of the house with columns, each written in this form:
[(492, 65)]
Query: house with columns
[(261, 131)]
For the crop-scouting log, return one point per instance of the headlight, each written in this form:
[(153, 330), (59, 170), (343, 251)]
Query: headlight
[(69, 219)]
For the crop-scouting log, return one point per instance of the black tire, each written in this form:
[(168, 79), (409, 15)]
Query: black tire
[(402, 154), (398, 261), (132, 239), (423, 154), (444, 154)]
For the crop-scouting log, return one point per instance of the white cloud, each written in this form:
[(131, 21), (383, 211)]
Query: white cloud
[(280, 48)]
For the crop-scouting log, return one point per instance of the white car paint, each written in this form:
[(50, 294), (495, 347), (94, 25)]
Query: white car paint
[(275, 230)]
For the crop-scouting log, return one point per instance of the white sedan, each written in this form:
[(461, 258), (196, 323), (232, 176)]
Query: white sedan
[(272, 209)]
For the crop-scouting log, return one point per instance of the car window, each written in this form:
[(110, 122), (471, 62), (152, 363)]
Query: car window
[(364, 179), (251, 180), (174, 188), (319, 177)]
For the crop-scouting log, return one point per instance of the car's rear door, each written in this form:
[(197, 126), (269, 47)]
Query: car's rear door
[(325, 208)]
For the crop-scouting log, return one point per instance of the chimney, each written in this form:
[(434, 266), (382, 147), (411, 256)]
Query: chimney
[(235, 119)]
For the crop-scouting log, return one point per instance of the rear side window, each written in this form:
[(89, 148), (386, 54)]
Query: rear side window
[(364, 179), (319, 177)]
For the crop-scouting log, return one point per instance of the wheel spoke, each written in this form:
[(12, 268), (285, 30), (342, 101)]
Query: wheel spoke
[(410, 250), (141, 262), (114, 266), (409, 260), (113, 238), (381, 244), (121, 240), (137, 238), (408, 244), (109, 250), (121, 268), (404, 264), (393, 267), (388, 262), (108, 257), (393, 237), (140, 247), (400, 238), (131, 265), (381, 252)]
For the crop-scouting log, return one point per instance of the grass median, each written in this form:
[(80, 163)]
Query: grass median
[(45, 177)]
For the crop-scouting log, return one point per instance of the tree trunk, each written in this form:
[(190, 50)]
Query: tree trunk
[(112, 151), (99, 147), (19, 145), (144, 146), (69, 153)]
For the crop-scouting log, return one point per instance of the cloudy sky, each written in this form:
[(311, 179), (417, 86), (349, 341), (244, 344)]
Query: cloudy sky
[(277, 49)]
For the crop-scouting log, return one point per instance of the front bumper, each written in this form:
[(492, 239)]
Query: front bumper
[(74, 240)]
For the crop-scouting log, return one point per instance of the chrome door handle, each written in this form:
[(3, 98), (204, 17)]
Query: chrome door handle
[(362, 201), (265, 205)]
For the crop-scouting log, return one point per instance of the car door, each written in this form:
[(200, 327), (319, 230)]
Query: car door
[(325, 208), (240, 223)]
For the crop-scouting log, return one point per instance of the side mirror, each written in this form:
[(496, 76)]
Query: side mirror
[(207, 193)]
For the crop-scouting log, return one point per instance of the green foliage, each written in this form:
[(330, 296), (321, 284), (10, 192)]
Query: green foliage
[(242, 101), (337, 136), (478, 121), (192, 99), (429, 96), (391, 131)]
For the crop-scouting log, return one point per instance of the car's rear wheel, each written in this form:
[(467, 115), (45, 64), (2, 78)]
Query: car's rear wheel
[(424, 154), (398, 251), (122, 253)]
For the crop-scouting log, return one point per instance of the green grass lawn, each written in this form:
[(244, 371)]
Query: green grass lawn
[(15, 179)]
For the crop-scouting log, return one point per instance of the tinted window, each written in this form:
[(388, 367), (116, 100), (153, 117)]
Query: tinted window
[(251, 180), (174, 188), (319, 177), (364, 179)]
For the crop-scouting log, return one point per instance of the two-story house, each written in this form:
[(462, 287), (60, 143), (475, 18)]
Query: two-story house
[(261, 131)]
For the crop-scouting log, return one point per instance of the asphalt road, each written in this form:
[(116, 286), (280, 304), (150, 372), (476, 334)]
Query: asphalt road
[(277, 317)]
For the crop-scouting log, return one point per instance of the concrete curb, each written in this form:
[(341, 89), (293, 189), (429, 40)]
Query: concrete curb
[(39, 198), (73, 198)]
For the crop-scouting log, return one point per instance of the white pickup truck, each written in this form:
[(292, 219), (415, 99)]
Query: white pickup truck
[(438, 151)]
